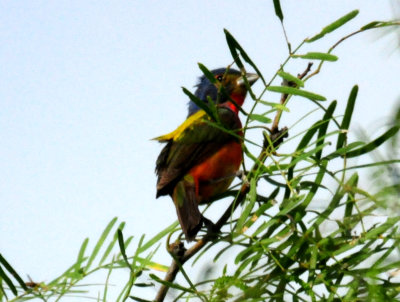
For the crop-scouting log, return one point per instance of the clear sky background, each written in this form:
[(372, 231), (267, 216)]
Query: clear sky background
[(85, 85)]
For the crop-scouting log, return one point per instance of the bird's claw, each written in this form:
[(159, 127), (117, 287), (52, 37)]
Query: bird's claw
[(177, 249)]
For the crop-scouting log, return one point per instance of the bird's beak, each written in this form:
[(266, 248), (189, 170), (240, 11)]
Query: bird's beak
[(251, 78)]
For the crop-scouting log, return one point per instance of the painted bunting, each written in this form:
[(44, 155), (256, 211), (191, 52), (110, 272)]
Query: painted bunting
[(202, 156)]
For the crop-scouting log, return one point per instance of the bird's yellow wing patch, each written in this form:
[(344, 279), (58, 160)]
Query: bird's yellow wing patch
[(174, 135)]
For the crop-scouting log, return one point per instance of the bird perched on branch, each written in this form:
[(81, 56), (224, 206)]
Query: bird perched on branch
[(203, 154)]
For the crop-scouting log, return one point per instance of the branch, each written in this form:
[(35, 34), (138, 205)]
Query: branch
[(177, 250)]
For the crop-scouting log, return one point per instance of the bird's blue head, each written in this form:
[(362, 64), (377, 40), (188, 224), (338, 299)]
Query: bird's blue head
[(233, 84)]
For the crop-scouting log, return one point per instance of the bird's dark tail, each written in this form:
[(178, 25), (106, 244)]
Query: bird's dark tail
[(190, 218)]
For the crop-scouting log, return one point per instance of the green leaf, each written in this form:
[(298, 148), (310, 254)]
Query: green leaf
[(138, 249), (290, 78), (100, 242), (317, 56), (257, 214), (106, 284), (344, 150), (171, 285), (12, 271), (278, 10), (389, 251), (374, 144), (370, 25), (81, 256), (374, 164), (334, 201), (249, 206), (233, 45), (230, 40), (277, 106), (211, 104), (324, 127), (128, 241), (348, 211), (379, 230), (259, 118), (295, 91), (316, 185), (347, 117), (335, 25), (314, 257), (200, 103), (208, 74), (157, 237), (8, 282), (378, 24), (139, 299), (302, 145), (111, 244), (213, 108), (123, 251)]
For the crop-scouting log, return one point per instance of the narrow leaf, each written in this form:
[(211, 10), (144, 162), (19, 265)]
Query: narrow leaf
[(8, 282), (317, 56), (100, 242), (171, 285), (324, 126), (290, 78), (258, 213), (347, 117), (316, 185), (303, 144), (199, 103), (8, 267), (375, 143), (157, 237), (277, 106), (370, 25), (249, 206), (208, 74), (278, 10), (259, 118), (335, 25), (379, 230), (232, 43), (81, 256), (232, 48), (139, 299), (295, 91), (378, 24), (111, 244), (344, 150), (123, 251)]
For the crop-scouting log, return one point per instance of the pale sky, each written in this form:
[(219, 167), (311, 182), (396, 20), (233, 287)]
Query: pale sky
[(85, 85)]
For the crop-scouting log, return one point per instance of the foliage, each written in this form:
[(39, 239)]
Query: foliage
[(284, 245)]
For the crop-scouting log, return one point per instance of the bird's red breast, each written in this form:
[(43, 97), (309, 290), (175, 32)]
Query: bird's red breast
[(215, 174)]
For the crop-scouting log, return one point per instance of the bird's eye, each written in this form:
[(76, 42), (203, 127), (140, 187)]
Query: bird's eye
[(219, 77)]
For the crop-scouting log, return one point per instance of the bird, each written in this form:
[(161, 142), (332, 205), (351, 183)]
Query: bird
[(202, 155)]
